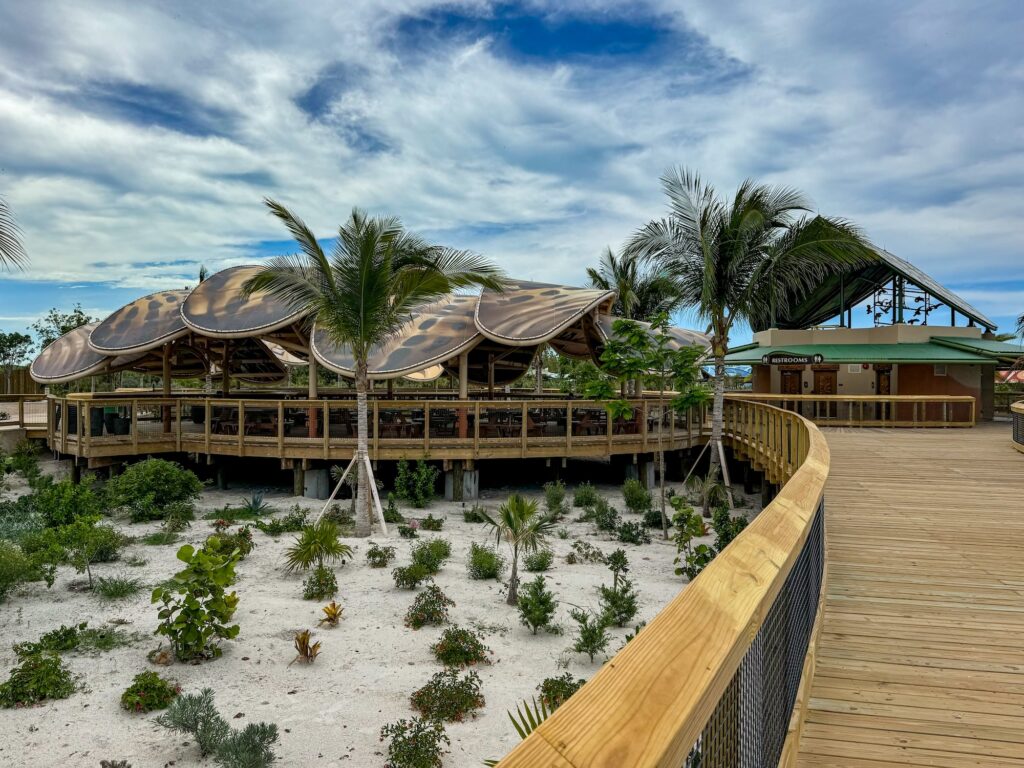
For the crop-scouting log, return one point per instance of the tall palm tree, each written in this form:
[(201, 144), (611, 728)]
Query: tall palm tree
[(524, 529), (12, 253), (364, 291), (738, 260), (645, 290)]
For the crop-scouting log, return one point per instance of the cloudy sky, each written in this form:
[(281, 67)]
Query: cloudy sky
[(137, 139)]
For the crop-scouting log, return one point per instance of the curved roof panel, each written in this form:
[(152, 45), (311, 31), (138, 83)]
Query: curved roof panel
[(217, 308), (527, 314), (434, 334), (70, 357), (141, 325)]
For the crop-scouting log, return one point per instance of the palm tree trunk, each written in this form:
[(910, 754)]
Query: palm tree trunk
[(513, 581), (717, 416), (364, 519)]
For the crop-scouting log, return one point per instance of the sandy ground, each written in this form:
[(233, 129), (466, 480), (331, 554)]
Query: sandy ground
[(331, 712)]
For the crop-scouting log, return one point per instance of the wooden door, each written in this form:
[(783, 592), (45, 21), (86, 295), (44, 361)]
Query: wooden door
[(883, 386), (826, 383), (791, 381)]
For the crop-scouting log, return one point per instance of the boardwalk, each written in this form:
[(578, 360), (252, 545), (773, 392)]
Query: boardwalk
[(921, 659)]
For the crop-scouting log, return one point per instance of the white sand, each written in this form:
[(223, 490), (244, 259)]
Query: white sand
[(330, 712)]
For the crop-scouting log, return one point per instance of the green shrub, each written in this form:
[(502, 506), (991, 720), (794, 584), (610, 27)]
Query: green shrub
[(431, 554), (195, 605), (692, 557), (591, 635), (25, 459), (148, 488), (416, 486), (431, 523), (391, 513), (633, 533), (636, 496), (726, 527), (75, 638), (378, 556), (195, 714), (410, 576), (415, 743), (430, 607), (38, 677), (460, 647), (409, 531), (159, 538), (536, 604), (149, 692), (19, 518), (65, 502), (320, 584), (484, 562), (554, 495), (584, 552), (618, 603), (293, 522), (116, 587), (15, 568), (225, 543), (448, 696), (555, 691), (563, 533), (80, 544), (605, 516), (473, 514), (540, 560), (585, 495), (652, 518)]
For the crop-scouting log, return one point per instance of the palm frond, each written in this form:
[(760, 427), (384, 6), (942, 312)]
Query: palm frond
[(12, 253)]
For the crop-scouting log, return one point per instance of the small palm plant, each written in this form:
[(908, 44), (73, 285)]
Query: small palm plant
[(316, 546), (525, 531)]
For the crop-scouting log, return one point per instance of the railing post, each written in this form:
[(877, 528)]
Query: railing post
[(207, 418), (280, 429), (21, 412), (241, 427), (376, 430), (568, 428), (327, 429), (643, 414), (476, 429), (177, 410), (523, 430), (135, 426), (426, 426)]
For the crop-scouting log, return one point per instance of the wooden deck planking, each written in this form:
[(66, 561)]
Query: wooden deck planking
[(920, 661)]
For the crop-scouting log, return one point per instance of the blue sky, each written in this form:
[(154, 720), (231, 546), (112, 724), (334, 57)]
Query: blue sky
[(138, 138)]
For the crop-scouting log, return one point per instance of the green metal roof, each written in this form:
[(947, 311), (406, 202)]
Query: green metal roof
[(926, 352), (1003, 351)]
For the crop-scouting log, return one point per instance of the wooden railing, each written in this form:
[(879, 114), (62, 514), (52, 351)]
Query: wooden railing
[(326, 429), (722, 670), (875, 410), (28, 411), (1017, 416)]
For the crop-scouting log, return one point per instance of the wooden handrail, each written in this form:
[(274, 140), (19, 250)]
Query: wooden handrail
[(649, 704)]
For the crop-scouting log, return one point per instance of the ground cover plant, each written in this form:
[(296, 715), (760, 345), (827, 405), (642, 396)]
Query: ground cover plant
[(484, 562), (584, 495), (460, 647), (79, 637), (225, 542), (391, 513), (431, 523), (149, 692), (314, 548), (379, 556), (415, 743), (584, 552), (473, 514), (431, 555), (410, 576), (293, 522), (540, 560), (633, 533), (555, 691), (637, 498), (38, 677), (449, 696), (430, 607), (148, 489), (117, 587)]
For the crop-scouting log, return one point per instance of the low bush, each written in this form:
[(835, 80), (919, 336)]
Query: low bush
[(320, 584), (39, 676), (430, 607), (332, 614), (563, 533), (80, 544), (293, 522), (149, 692), (692, 557), (584, 552), (537, 604), (431, 555), (379, 556), (409, 531), (555, 691), (633, 533), (415, 743), (591, 634), (148, 488), (416, 486), (637, 498), (473, 514), (15, 568), (66, 501), (160, 538), (484, 562), (79, 637), (449, 697), (585, 495), (431, 523), (726, 527), (196, 715), (618, 603), (652, 518), (117, 587), (605, 516), (18, 518), (554, 495), (25, 460), (195, 605), (410, 576), (225, 543), (391, 513), (460, 647), (540, 560)]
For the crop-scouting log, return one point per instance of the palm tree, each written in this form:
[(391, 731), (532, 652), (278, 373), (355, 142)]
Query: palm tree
[(519, 524), (364, 292), (740, 260), (643, 292), (12, 254)]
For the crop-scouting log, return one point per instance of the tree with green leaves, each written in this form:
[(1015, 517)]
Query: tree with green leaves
[(524, 529), (364, 292), (741, 259), (55, 324), (644, 290), (12, 252), (14, 351), (635, 352)]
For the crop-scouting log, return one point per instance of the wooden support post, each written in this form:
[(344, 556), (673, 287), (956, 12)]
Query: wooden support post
[(166, 383), (523, 431)]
